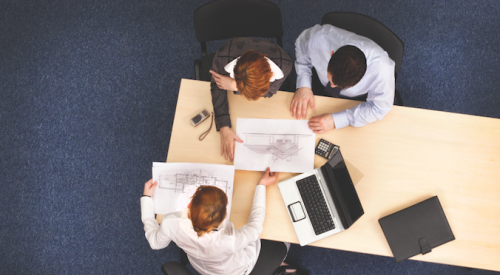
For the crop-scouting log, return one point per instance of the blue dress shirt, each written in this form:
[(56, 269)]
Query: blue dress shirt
[(313, 49)]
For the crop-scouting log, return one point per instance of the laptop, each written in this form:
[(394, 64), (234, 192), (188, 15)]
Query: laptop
[(323, 202)]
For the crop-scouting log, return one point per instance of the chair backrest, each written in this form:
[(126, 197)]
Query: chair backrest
[(223, 19), (368, 27)]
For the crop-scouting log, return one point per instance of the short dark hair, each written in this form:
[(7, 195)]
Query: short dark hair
[(347, 66)]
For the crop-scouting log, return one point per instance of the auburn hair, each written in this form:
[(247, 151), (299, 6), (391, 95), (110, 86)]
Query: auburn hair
[(208, 208), (252, 74), (347, 66)]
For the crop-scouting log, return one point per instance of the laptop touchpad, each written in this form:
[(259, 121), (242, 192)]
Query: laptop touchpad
[(296, 211)]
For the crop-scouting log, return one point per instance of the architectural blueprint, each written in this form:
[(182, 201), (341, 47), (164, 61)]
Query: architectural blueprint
[(177, 182), (281, 144)]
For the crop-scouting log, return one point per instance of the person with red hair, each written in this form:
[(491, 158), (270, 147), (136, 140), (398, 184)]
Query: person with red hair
[(212, 243), (251, 67)]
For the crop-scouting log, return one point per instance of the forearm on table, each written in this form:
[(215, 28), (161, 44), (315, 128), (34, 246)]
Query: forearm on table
[(360, 115), (254, 226), (221, 107)]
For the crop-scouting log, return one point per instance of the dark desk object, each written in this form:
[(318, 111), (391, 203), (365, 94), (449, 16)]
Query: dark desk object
[(416, 229)]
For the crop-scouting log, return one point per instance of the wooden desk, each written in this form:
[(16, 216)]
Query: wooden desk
[(409, 156)]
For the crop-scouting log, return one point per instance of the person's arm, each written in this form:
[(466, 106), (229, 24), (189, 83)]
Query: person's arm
[(250, 232), (378, 103), (286, 66), (220, 102), (303, 66), (156, 235), (219, 95)]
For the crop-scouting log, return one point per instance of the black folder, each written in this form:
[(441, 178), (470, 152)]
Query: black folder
[(416, 229)]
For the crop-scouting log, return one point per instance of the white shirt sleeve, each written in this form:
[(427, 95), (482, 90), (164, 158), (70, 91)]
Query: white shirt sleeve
[(303, 64), (157, 236), (250, 232)]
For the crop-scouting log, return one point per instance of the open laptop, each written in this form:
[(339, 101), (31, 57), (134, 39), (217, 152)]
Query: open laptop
[(323, 202)]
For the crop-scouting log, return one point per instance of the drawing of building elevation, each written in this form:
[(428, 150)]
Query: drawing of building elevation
[(280, 146), (184, 182)]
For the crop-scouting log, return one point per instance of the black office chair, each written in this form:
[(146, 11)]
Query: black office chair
[(368, 27), (223, 19), (271, 255)]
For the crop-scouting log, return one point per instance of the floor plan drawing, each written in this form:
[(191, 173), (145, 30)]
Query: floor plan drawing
[(187, 181), (177, 183), (281, 144)]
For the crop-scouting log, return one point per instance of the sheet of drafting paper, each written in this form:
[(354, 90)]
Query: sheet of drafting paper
[(177, 182), (284, 145)]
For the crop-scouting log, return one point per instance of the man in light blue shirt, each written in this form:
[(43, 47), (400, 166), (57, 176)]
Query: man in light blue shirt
[(337, 57)]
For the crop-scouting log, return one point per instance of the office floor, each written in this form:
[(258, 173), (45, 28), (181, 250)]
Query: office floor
[(87, 98)]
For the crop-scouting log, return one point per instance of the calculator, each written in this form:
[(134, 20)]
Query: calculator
[(326, 149)]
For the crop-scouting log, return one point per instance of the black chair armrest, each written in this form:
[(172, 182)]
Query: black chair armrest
[(399, 99), (174, 268), (197, 69)]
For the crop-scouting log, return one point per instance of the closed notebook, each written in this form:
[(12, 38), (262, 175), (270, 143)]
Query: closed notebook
[(416, 229)]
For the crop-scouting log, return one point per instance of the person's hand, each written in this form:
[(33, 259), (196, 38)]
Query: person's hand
[(268, 177), (227, 138), (322, 123), (224, 82), (303, 97), (149, 188)]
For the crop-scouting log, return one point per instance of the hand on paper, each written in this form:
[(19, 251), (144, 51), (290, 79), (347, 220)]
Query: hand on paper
[(268, 177), (322, 123), (227, 138), (149, 188), (303, 97), (224, 82)]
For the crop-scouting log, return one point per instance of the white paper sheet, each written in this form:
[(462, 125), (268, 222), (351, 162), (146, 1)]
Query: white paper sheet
[(177, 182), (284, 145)]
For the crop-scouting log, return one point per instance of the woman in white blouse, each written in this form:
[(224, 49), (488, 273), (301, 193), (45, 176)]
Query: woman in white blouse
[(211, 242)]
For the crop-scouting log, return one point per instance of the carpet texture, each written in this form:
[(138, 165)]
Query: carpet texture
[(88, 91)]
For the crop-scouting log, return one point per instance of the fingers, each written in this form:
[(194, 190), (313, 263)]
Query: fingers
[(311, 103), (217, 78), (148, 183), (298, 110), (304, 109), (293, 108), (268, 170), (153, 186), (221, 147), (215, 75), (238, 139), (231, 150), (275, 175)]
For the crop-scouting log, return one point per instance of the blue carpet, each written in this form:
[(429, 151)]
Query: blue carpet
[(87, 98)]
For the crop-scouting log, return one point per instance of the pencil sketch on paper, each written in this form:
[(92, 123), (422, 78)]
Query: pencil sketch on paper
[(177, 183), (282, 145)]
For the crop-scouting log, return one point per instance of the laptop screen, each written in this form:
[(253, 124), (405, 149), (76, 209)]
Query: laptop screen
[(342, 190)]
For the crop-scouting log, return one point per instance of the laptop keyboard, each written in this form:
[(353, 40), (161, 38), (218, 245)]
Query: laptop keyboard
[(315, 204)]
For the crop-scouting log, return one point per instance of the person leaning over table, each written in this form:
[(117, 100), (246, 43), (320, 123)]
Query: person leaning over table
[(349, 66), (251, 67), (212, 243)]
